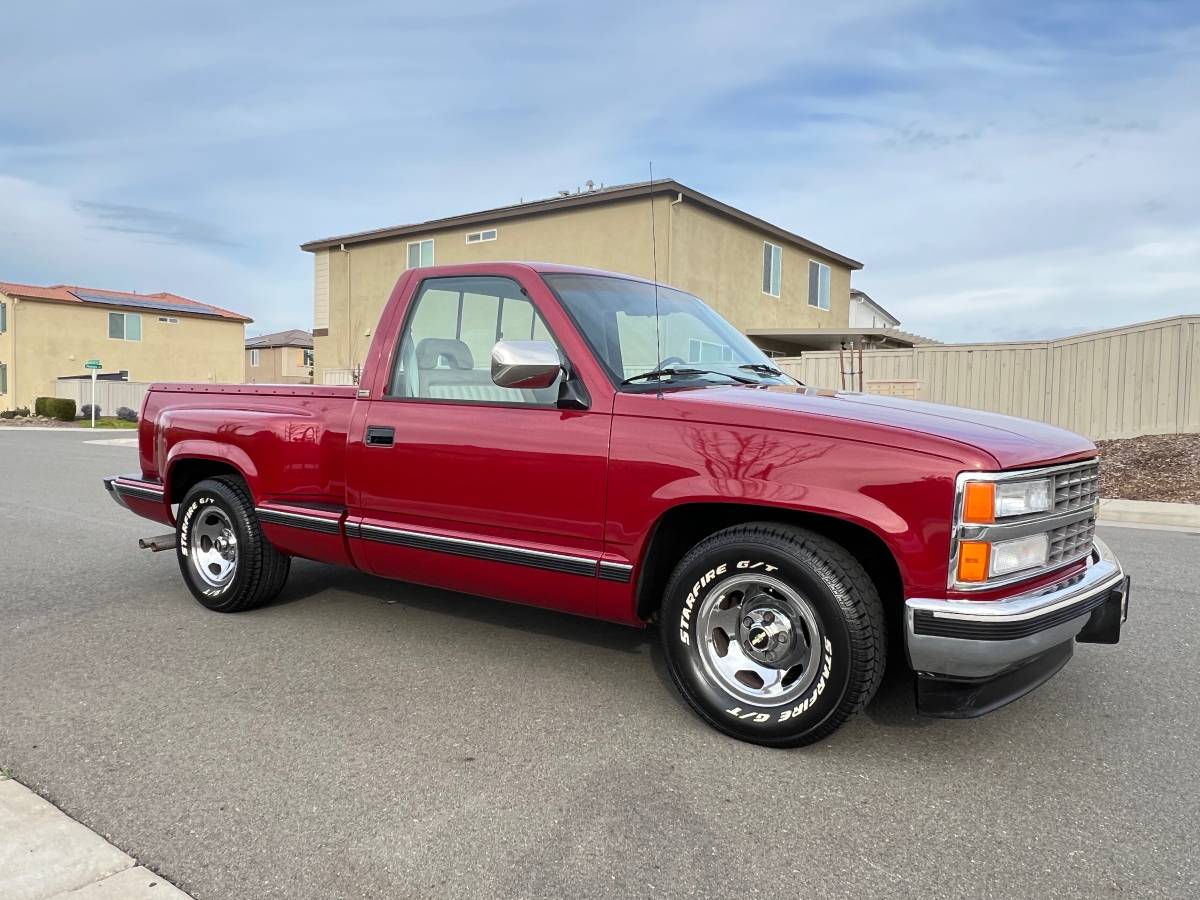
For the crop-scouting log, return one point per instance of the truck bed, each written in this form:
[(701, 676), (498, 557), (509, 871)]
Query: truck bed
[(289, 440)]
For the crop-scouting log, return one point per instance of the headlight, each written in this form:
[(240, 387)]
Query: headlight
[(986, 501), (980, 560), (1022, 553)]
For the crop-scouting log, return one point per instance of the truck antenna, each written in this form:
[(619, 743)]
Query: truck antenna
[(658, 355)]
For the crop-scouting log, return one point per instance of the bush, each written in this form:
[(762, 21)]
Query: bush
[(55, 408), (22, 411), (86, 412), (8, 414), (125, 414)]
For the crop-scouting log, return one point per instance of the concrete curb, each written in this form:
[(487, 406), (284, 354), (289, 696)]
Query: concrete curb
[(69, 429), (47, 855), (1185, 516)]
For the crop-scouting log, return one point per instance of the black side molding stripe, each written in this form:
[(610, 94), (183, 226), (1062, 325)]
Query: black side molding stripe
[(323, 524), (537, 559), (611, 571)]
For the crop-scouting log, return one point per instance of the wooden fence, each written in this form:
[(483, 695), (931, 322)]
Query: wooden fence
[(110, 395), (1123, 382)]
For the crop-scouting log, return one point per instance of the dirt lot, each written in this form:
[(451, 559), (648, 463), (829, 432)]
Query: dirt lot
[(1155, 467)]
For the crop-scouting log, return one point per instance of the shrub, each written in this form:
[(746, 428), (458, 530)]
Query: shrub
[(86, 411), (22, 411), (8, 414), (126, 414), (56, 408)]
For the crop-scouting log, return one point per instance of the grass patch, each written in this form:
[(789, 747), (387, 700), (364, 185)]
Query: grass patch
[(108, 422), (5, 773)]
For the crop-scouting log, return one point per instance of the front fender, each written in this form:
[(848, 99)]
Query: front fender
[(903, 496)]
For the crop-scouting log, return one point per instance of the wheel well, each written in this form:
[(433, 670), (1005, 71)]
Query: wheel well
[(683, 527), (187, 473)]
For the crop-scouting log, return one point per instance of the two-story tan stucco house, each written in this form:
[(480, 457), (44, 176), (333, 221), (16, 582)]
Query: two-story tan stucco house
[(283, 357), (764, 279), (51, 332)]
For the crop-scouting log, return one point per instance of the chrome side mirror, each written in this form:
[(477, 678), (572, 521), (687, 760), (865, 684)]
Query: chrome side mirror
[(530, 365)]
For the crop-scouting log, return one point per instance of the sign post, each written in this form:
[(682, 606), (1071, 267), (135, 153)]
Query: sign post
[(94, 366)]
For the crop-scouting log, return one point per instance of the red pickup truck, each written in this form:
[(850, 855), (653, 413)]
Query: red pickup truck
[(606, 446)]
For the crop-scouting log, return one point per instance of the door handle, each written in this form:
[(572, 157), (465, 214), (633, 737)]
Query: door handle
[(380, 436)]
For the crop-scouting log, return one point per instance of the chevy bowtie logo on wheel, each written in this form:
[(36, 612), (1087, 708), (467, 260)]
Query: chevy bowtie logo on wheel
[(759, 638)]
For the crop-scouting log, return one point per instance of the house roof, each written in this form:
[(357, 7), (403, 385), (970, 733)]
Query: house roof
[(856, 294), (161, 302), (293, 337), (585, 198)]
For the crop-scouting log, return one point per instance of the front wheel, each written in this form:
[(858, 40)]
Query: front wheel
[(773, 634), (227, 562)]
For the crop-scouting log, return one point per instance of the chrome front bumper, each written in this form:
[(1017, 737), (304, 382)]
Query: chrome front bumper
[(977, 639)]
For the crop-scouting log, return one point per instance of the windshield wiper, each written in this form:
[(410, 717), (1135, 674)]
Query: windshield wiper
[(671, 373), (761, 369)]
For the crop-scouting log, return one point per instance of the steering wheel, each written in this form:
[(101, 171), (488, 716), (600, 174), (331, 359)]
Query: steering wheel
[(666, 363)]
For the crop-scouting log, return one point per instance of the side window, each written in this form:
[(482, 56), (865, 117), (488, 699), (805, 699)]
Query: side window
[(125, 326), (818, 284), (420, 253), (772, 272), (445, 346)]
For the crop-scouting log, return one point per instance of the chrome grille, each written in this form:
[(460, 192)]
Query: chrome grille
[(1077, 488), (1070, 542)]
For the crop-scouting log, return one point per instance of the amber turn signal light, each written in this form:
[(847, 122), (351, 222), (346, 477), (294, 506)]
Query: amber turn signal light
[(979, 502), (973, 559)]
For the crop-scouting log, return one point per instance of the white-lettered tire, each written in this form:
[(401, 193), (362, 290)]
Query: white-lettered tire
[(226, 561), (773, 634)]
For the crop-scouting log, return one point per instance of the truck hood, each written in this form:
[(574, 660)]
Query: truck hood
[(1010, 442)]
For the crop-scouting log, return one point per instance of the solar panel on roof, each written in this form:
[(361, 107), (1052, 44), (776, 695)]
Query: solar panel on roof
[(148, 303)]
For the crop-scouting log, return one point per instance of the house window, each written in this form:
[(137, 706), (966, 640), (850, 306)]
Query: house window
[(818, 284), (168, 320), (420, 253), (477, 237), (3, 378), (254, 358), (308, 358), (124, 326), (707, 352), (3, 317), (772, 271)]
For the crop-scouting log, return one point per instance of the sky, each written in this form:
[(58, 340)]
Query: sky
[(1012, 170)]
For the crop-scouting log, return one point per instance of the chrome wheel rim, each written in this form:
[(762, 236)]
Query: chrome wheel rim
[(759, 639), (213, 547)]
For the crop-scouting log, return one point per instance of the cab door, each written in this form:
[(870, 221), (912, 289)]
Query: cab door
[(462, 484)]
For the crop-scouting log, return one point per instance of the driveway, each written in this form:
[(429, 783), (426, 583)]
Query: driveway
[(363, 738)]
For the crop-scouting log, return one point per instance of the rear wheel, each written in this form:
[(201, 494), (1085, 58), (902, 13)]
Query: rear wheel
[(773, 634), (226, 561)]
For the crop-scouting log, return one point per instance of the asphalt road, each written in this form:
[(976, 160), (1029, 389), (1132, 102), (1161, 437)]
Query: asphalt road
[(362, 738)]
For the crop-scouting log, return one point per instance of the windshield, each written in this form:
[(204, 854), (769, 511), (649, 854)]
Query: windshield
[(617, 317)]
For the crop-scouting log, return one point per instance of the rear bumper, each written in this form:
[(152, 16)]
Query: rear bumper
[(124, 487), (973, 656), (145, 498)]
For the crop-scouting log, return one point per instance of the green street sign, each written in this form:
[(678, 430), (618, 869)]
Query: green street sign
[(93, 364)]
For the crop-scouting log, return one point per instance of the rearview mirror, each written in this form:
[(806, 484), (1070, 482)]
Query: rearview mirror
[(530, 365)]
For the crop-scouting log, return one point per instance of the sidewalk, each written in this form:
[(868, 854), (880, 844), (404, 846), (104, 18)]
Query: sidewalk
[(1150, 514), (47, 855)]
